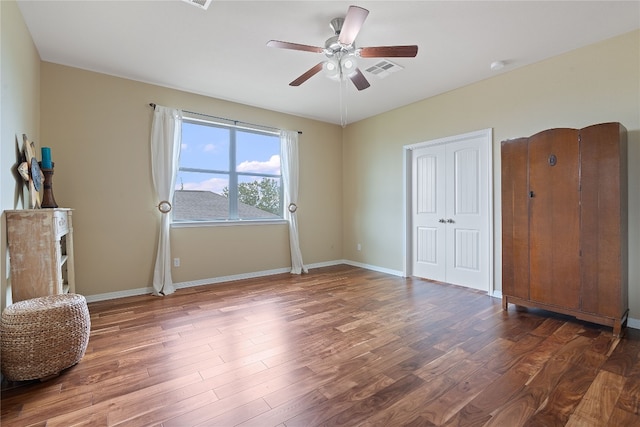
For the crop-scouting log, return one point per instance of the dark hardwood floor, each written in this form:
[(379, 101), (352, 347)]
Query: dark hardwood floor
[(339, 346)]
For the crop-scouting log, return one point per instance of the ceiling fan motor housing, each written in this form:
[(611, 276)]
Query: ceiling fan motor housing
[(333, 46), (336, 25)]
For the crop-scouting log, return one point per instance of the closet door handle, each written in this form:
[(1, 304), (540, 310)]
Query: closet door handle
[(450, 221), (442, 220)]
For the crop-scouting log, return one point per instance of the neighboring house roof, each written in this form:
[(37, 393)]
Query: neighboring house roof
[(197, 205)]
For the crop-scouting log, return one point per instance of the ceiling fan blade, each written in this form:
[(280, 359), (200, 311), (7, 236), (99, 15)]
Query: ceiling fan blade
[(307, 75), (294, 46), (352, 24), (389, 51), (359, 80)]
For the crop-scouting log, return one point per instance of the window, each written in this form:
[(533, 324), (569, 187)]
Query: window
[(227, 173)]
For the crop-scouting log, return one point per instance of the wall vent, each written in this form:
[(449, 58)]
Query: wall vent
[(202, 4), (383, 68)]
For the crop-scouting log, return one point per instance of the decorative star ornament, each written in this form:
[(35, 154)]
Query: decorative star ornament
[(30, 171)]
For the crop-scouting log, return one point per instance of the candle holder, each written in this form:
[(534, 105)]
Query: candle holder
[(48, 201)]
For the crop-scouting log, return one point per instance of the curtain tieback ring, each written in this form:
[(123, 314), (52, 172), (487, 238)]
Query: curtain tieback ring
[(164, 207)]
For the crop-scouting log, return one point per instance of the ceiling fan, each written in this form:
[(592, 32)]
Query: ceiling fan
[(341, 51)]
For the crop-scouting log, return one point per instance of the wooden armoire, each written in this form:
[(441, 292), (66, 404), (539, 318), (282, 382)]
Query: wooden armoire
[(564, 223)]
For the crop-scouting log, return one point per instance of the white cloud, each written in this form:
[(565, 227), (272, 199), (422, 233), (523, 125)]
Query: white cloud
[(209, 147), (270, 166), (214, 184)]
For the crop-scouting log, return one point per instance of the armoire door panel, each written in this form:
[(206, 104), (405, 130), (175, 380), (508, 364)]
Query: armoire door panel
[(515, 218), (554, 209), (603, 226)]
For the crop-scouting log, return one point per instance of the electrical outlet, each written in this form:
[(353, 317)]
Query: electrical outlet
[(176, 262), (359, 247)]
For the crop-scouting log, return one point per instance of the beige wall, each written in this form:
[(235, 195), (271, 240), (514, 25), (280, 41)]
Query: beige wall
[(596, 84), (98, 128), (20, 114)]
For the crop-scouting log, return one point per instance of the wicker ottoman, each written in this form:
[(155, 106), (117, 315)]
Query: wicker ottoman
[(42, 336)]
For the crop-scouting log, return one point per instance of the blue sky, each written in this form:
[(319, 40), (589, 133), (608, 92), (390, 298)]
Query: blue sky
[(207, 147)]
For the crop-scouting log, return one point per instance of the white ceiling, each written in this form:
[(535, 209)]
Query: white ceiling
[(222, 52)]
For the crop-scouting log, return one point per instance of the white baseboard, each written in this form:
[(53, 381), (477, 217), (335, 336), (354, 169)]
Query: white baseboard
[(373, 267), (631, 323), (119, 294), (232, 278), (214, 280)]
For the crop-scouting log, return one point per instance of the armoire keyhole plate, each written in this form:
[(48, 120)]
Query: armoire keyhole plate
[(553, 160)]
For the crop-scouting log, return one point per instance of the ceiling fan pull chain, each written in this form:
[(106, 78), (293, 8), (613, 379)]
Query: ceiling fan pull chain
[(343, 104)]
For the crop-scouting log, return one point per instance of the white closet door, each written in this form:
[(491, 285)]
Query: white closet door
[(450, 212), (467, 215), (429, 210)]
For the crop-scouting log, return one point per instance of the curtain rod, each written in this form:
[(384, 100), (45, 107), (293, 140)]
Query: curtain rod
[(153, 105)]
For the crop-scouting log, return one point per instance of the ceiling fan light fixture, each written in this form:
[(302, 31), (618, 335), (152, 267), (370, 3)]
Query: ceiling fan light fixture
[(332, 69), (349, 64), (340, 67)]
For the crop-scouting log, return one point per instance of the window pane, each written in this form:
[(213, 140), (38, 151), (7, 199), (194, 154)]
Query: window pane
[(259, 197), (201, 197), (226, 173), (257, 153), (204, 147)]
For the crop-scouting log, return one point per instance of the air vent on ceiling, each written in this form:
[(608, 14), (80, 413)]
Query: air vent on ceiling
[(383, 68), (202, 4)]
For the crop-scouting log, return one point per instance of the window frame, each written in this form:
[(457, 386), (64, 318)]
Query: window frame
[(234, 175)]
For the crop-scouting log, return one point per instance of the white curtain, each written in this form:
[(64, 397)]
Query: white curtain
[(166, 135), (289, 161)]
